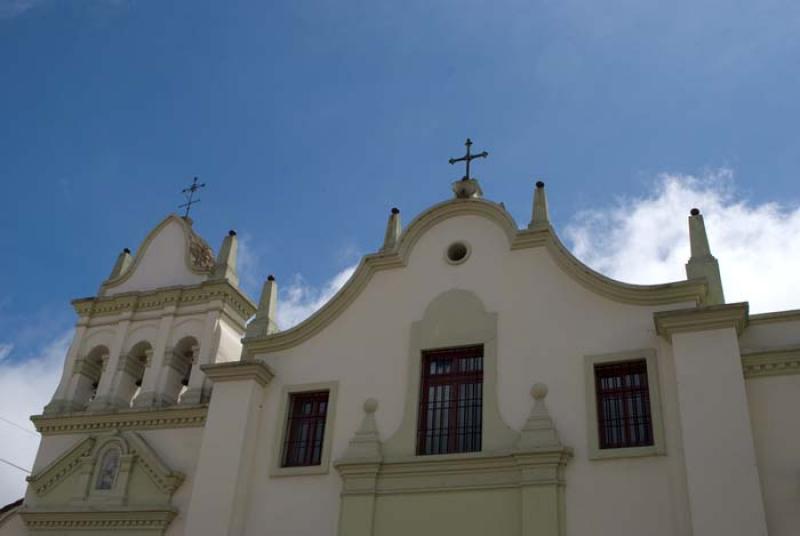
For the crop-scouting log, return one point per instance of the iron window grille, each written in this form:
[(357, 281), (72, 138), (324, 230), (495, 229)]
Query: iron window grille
[(305, 429), (451, 401), (623, 405)]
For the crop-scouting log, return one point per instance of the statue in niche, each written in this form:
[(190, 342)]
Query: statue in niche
[(109, 465)]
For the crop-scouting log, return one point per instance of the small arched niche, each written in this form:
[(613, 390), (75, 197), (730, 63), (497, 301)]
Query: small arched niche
[(107, 468)]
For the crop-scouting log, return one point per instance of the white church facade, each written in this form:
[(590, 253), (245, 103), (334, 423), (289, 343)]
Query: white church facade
[(471, 378)]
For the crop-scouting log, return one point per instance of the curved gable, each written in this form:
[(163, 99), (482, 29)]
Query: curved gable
[(538, 237), (171, 255)]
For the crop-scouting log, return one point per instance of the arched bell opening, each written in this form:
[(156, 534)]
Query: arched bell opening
[(86, 379), (131, 370)]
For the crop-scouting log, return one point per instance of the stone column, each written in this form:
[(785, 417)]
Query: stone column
[(227, 452), (722, 476)]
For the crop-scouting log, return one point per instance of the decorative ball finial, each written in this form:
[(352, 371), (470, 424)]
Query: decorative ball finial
[(695, 212), (126, 250), (395, 210), (231, 233), (270, 277), (370, 405), (539, 391), (539, 184)]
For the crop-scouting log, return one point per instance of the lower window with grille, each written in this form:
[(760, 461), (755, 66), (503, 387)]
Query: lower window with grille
[(305, 429), (623, 405), (451, 401)]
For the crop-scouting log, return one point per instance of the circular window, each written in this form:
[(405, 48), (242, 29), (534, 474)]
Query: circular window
[(457, 253)]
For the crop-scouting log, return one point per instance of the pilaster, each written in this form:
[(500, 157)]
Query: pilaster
[(104, 398), (60, 401), (224, 465), (152, 393), (722, 476), (199, 388)]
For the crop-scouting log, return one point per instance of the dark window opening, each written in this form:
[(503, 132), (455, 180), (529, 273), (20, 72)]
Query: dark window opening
[(305, 429), (623, 405), (451, 401)]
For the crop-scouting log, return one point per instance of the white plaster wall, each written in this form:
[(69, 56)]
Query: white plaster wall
[(546, 324), (163, 263)]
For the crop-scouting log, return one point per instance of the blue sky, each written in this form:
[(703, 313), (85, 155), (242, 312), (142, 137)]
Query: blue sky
[(310, 119)]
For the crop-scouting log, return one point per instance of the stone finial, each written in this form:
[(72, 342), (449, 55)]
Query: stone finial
[(265, 321), (393, 230), (702, 264), (467, 189), (124, 260), (539, 213), (225, 266), (539, 431), (366, 443)]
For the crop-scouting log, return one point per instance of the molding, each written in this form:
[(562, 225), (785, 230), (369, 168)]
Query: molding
[(126, 419), (792, 315), (238, 371), (276, 469), (693, 291), (109, 520), (776, 362), (658, 448), (192, 242), (732, 315), (43, 481), (154, 300)]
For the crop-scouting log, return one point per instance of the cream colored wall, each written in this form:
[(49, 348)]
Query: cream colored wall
[(163, 264), (13, 526), (774, 403), (546, 324)]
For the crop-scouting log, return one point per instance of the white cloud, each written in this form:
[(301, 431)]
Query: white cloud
[(5, 350), (26, 385), (300, 299), (12, 8), (645, 239)]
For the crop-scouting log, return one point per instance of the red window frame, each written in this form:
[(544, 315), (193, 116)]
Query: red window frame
[(305, 429), (450, 401), (624, 418)]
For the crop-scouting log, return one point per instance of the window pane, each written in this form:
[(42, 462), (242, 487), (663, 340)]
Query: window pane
[(623, 405), (451, 399), (305, 429)]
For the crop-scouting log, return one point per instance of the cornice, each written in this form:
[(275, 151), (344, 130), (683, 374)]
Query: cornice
[(693, 291), (731, 315), (454, 472), (141, 519), (239, 370), (775, 362), (154, 300), (133, 419), (775, 317)]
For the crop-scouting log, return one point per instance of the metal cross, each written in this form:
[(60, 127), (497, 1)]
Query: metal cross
[(189, 193), (469, 157)]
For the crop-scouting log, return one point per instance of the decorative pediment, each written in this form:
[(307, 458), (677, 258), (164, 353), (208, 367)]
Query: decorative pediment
[(171, 255), (79, 469)]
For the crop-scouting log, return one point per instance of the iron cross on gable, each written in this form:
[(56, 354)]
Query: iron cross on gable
[(189, 193), (469, 157)]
